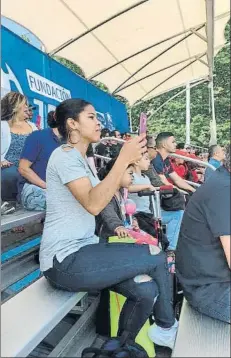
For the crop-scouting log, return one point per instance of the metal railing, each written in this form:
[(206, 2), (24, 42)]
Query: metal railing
[(197, 161), (102, 157), (193, 184), (112, 138), (174, 155)]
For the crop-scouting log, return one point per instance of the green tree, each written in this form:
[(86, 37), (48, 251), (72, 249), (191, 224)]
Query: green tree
[(100, 85), (71, 65), (25, 38)]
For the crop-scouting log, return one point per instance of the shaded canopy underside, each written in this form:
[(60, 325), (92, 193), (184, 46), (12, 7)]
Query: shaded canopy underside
[(151, 47)]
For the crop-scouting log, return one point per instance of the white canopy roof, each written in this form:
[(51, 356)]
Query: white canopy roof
[(138, 49)]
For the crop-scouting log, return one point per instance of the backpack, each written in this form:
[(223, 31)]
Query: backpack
[(173, 202), (116, 348)]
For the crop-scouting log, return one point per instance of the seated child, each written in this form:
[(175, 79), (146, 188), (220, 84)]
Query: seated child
[(170, 218), (113, 220)]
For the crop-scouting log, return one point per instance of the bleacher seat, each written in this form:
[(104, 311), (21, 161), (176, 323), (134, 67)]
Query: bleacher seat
[(20, 217), (29, 316), (201, 336)]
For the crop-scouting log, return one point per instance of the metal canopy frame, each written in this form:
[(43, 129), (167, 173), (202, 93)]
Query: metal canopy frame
[(202, 80), (168, 78), (187, 32), (209, 26), (209, 39), (197, 57), (145, 49), (69, 42), (155, 58), (171, 89)]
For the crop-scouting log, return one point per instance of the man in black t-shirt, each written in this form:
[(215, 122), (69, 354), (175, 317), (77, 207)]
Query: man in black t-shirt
[(165, 145), (203, 250)]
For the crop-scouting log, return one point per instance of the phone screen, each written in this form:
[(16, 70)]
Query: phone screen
[(143, 123)]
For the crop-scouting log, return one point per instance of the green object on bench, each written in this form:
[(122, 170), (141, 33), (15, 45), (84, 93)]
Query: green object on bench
[(116, 304)]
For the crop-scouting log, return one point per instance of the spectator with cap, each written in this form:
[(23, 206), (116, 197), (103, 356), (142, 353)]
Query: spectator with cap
[(166, 144), (215, 158), (203, 250)]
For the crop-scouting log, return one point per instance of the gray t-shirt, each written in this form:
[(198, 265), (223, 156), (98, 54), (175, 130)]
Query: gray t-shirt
[(142, 202), (68, 226)]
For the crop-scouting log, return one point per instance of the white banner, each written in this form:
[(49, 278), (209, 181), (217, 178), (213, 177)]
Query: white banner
[(44, 87)]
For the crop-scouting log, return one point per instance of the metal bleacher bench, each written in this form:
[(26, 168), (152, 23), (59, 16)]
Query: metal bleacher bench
[(201, 336), (28, 317), (20, 217)]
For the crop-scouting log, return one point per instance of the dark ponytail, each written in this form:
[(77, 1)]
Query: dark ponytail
[(104, 171), (70, 108), (51, 122)]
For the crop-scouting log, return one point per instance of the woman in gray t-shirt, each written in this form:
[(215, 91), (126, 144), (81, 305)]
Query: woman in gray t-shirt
[(71, 256)]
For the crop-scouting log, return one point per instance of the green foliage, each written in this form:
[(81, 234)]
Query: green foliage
[(25, 38), (69, 64), (100, 85), (123, 100)]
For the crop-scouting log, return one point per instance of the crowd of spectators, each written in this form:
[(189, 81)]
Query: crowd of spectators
[(55, 169)]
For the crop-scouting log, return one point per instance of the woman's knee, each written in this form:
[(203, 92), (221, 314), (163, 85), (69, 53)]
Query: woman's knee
[(146, 290)]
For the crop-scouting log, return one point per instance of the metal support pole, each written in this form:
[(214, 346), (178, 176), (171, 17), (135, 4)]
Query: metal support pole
[(175, 95), (188, 113), (213, 124)]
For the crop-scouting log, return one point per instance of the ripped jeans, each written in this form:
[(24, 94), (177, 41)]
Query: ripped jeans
[(114, 266)]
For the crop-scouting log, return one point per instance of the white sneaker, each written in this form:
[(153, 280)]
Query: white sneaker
[(7, 208), (163, 337)]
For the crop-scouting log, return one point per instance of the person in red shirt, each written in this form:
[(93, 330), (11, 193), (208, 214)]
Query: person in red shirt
[(179, 167)]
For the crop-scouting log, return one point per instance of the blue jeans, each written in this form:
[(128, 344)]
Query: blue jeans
[(33, 197), (114, 266), (9, 179), (173, 221), (212, 300)]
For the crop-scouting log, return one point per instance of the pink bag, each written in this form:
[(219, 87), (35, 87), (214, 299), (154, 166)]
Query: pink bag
[(142, 237)]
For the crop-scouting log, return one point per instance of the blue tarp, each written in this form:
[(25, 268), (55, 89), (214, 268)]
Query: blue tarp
[(46, 83)]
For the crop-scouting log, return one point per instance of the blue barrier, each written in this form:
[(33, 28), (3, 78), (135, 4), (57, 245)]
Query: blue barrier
[(10, 254), (46, 83), (25, 281)]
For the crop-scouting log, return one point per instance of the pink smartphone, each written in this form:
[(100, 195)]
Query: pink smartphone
[(143, 123)]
